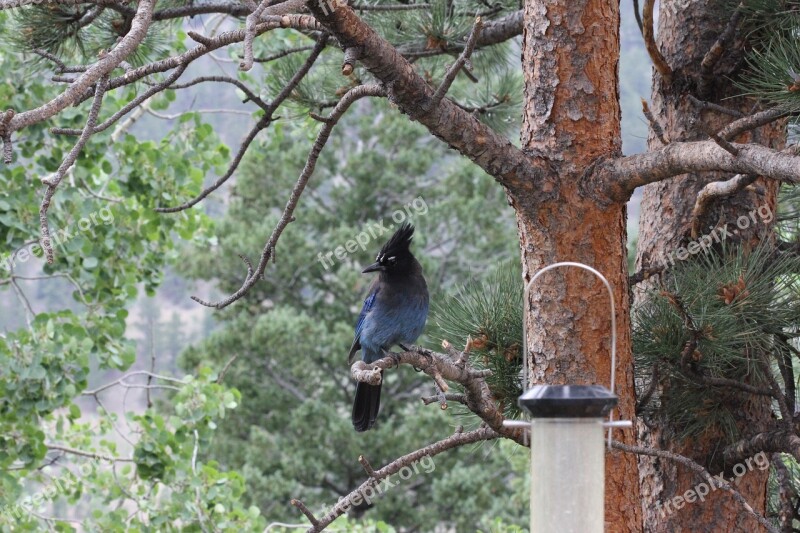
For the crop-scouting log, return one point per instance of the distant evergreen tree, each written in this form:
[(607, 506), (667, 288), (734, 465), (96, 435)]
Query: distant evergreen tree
[(292, 338)]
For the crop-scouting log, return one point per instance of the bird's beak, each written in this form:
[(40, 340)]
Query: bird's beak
[(373, 268)]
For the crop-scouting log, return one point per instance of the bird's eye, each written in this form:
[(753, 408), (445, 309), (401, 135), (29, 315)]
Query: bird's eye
[(391, 260)]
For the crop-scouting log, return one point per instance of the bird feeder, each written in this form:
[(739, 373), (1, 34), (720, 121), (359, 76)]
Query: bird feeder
[(567, 449)]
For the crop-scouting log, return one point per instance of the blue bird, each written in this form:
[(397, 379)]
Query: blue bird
[(394, 312)]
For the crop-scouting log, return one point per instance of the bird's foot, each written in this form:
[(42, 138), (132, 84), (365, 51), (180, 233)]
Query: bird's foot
[(395, 358)]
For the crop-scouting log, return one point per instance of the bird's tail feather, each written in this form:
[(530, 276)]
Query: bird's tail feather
[(366, 405)]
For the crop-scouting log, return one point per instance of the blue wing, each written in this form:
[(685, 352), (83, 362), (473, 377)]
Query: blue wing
[(369, 301)]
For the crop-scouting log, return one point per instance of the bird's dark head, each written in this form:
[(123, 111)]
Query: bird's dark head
[(395, 256)]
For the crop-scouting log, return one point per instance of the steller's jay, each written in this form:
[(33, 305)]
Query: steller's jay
[(394, 312)]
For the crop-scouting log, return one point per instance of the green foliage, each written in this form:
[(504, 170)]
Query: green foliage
[(291, 334), (736, 301), (108, 244), (774, 72), (80, 33), (191, 461), (773, 59), (490, 313), (494, 94)]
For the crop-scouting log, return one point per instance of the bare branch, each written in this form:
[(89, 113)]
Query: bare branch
[(411, 93), (650, 41), (260, 125), (322, 138), (133, 104), (121, 381), (282, 53), (60, 66), (714, 54), (769, 441), (297, 22), (76, 92), (90, 455), (454, 441), (718, 481), (454, 69), (703, 105), (450, 397), (251, 96), (478, 397), (225, 368), (737, 127), (500, 30), (351, 55), (53, 181), (725, 145), (618, 177), (250, 35), (311, 518), (367, 467), (714, 190), (638, 16), (658, 131)]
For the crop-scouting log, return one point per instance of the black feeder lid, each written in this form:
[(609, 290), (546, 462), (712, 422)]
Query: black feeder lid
[(568, 401)]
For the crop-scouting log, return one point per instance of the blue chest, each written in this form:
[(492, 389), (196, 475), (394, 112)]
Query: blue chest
[(396, 317)]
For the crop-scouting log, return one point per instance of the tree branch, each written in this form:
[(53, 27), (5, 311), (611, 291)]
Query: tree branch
[(714, 54), (90, 455), (260, 125), (297, 22), (650, 41), (769, 441), (617, 178), (456, 67), (714, 190), (130, 106), (737, 127), (718, 481), (638, 16), (411, 93), (477, 396), (322, 138), (76, 92), (368, 486), (52, 182), (655, 125)]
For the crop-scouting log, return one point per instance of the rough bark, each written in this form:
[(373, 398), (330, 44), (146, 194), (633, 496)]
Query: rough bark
[(570, 58), (687, 30)]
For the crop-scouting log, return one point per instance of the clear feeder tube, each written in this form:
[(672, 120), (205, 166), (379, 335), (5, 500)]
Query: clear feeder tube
[(567, 475)]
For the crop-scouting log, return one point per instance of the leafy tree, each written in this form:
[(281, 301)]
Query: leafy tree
[(446, 69), (295, 335)]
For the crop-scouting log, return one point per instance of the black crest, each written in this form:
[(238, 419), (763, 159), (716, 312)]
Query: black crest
[(398, 244)]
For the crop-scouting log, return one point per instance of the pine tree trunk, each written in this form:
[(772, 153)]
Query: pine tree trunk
[(572, 117), (686, 31)]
